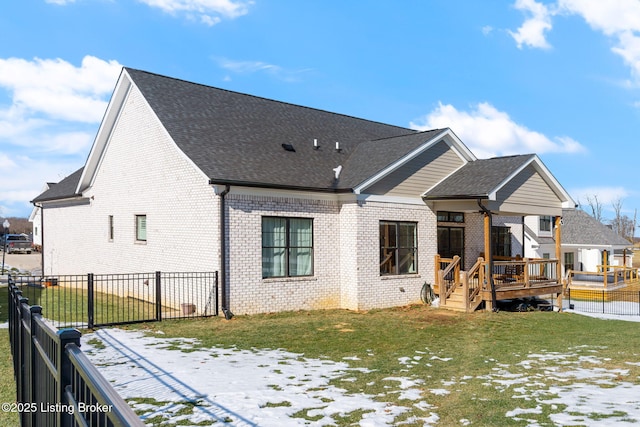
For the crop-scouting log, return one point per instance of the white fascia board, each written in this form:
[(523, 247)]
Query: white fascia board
[(588, 246), (446, 135), (391, 199), (107, 125), (285, 193)]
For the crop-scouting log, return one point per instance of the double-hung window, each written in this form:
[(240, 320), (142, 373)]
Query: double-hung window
[(287, 247), (398, 247), (545, 223)]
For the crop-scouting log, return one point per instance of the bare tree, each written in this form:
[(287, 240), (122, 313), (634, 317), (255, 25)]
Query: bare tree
[(621, 223), (596, 207)]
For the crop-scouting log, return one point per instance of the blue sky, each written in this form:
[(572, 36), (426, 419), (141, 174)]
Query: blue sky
[(559, 78)]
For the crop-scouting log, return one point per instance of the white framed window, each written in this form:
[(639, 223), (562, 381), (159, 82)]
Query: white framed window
[(141, 228), (545, 223)]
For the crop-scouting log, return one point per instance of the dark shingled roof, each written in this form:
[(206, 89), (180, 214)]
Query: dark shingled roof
[(237, 138), (580, 228), (62, 190), (479, 178)]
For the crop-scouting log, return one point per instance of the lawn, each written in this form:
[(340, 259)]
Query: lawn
[(490, 363), (473, 369)]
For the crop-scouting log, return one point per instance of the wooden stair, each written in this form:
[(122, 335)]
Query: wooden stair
[(457, 301)]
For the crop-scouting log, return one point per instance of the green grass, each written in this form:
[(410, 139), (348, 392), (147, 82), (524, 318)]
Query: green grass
[(7, 383), (476, 343), (69, 305)]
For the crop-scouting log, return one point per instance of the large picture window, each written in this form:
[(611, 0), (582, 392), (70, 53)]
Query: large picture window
[(398, 247), (287, 247)]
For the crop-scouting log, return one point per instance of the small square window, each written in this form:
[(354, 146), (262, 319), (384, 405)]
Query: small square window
[(141, 228), (545, 223)]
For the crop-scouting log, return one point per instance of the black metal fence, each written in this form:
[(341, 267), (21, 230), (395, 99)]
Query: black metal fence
[(56, 384), (93, 300), (615, 302)]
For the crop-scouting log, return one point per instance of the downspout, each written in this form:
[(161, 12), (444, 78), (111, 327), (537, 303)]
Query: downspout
[(489, 273), (41, 240), (223, 255)]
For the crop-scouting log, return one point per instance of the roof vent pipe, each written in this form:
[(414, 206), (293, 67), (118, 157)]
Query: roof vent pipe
[(337, 171), (338, 146), (315, 144)]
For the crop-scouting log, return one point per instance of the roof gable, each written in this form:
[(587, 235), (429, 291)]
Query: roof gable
[(511, 184)]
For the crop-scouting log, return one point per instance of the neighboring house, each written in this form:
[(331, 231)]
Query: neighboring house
[(298, 208), (35, 218), (585, 241)]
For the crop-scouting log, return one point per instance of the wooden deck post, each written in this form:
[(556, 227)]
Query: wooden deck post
[(488, 273), (559, 258), (436, 270), (465, 290)]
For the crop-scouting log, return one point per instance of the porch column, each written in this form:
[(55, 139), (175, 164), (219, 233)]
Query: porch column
[(488, 256), (558, 225)]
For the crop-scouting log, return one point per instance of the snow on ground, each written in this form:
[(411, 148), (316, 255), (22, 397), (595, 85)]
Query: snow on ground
[(235, 387), (177, 380)]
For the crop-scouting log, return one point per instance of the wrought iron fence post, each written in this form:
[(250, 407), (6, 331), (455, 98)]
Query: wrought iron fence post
[(217, 292), (90, 302), (35, 310), (603, 299), (158, 296), (65, 336)]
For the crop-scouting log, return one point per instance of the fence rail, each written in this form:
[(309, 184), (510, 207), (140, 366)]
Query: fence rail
[(56, 384), (93, 300), (616, 302)]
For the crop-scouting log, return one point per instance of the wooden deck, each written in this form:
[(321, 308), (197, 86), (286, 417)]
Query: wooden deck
[(511, 278)]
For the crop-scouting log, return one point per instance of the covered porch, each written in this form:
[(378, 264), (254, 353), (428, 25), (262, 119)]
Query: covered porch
[(514, 187)]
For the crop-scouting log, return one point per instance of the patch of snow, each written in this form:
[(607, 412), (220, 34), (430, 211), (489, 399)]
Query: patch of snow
[(234, 387)]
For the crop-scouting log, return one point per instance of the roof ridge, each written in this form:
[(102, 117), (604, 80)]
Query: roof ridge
[(269, 99)]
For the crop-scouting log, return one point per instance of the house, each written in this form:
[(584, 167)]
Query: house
[(587, 244), (297, 208)]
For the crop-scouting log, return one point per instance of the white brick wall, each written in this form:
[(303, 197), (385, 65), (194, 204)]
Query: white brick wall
[(153, 179), (346, 255)]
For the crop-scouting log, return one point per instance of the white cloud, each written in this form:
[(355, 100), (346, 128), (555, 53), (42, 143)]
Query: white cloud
[(605, 195), (617, 19), (489, 132), (52, 111), (532, 32), (60, 2), (250, 67), (208, 11), (57, 89)]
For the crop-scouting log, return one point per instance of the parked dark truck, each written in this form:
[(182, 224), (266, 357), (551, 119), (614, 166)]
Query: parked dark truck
[(17, 243)]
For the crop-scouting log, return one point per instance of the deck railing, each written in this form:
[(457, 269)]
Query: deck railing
[(606, 275), (507, 274), (447, 276)]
